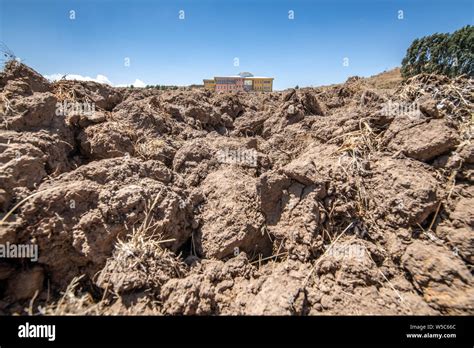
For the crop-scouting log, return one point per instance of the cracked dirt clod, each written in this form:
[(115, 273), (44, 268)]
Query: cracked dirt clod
[(301, 202), (424, 141), (441, 276)]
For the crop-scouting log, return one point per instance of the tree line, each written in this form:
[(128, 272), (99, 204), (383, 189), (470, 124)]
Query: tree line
[(170, 87), (444, 54)]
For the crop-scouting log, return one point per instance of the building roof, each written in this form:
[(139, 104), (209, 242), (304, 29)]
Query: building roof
[(240, 77), (245, 74)]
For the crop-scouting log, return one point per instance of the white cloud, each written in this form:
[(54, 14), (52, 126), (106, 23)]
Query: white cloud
[(139, 83), (99, 78), (53, 77), (103, 79)]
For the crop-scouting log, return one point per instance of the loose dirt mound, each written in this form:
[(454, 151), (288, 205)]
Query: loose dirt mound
[(347, 199)]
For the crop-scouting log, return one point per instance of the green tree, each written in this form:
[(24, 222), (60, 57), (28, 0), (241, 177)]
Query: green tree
[(447, 54)]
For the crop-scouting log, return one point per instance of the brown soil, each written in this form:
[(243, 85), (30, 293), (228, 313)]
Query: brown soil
[(347, 208)]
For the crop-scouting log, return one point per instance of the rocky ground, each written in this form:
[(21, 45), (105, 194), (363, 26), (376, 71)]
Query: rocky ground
[(332, 200)]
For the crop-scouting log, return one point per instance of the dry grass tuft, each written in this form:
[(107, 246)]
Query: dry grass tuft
[(72, 303), (149, 149), (141, 261), (64, 91), (321, 258), (456, 97), (356, 147)]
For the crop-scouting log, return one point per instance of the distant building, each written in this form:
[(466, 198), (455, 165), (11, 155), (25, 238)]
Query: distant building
[(209, 84), (229, 83), (245, 81), (263, 84)]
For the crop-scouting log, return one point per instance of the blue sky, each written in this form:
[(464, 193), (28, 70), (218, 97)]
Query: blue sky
[(164, 49)]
